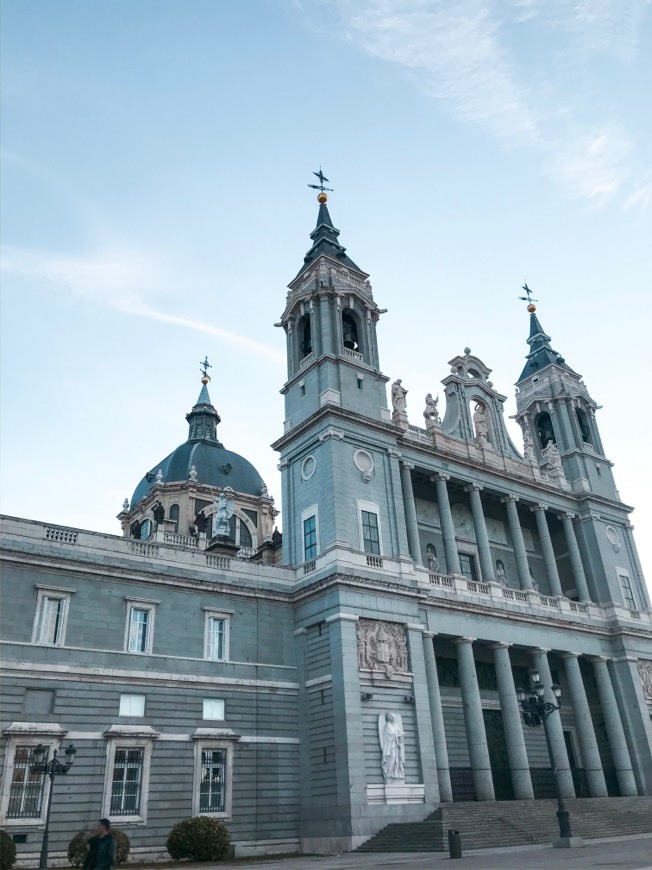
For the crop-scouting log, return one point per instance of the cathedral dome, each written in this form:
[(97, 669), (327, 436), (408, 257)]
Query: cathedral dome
[(203, 458)]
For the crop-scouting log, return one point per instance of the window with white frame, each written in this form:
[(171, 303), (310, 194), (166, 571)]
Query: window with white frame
[(26, 788), (213, 708), (52, 606), (626, 588), (369, 524), (310, 533), (24, 795), (139, 630), (216, 635), (132, 705), (213, 778), (126, 780)]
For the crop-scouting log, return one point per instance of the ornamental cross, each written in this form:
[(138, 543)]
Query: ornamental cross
[(322, 178), (528, 294), (204, 367)]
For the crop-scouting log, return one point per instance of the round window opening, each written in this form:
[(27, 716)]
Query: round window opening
[(308, 467)]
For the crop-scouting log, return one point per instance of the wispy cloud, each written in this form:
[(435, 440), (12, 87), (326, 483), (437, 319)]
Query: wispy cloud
[(127, 280), (464, 54)]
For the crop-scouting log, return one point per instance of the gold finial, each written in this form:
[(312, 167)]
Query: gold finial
[(531, 308), (205, 379), (322, 198)]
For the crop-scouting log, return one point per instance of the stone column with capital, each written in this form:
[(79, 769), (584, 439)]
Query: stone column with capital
[(516, 532), (614, 728), (437, 719), (447, 526), (519, 766), (481, 536), (585, 732), (325, 324), (476, 736), (575, 557), (548, 551), (632, 703), (414, 545), (554, 727)]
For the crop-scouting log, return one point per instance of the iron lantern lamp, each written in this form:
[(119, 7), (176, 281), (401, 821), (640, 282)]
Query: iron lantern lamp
[(50, 769)]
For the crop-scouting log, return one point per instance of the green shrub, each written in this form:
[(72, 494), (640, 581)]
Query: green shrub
[(199, 838), (7, 851), (78, 847)]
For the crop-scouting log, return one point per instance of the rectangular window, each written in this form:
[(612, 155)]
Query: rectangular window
[(213, 708), (132, 705), (51, 615), (628, 592), (212, 797), (468, 566), (139, 630), (370, 536), (127, 781), (26, 788), (310, 538), (216, 635)]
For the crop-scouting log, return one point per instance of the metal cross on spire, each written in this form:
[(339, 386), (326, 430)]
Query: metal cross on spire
[(322, 178), (204, 367), (528, 294)]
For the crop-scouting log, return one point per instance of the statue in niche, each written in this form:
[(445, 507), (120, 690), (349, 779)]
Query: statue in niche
[(158, 512), (645, 673), (399, 403), (382, 646), (480, 423), (392, 744), (431, 558), (224, 512), (501, 576), (431, 412), (528, 445), (552, 456)]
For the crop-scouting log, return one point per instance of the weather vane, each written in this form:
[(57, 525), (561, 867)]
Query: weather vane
[(322, 178), (204, 367), (528, 295)]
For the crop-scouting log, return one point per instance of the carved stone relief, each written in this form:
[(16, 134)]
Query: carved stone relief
[(463, 522), (645, 672), (496, 531), (427, 512), (382, 646)]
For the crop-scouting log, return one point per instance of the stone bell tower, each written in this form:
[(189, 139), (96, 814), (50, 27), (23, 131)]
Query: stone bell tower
[(339, 474)]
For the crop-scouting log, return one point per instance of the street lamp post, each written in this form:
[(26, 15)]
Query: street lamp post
[(535, 712), (49, 769)]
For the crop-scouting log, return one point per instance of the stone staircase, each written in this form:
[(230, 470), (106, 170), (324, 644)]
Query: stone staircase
[(488, 824)]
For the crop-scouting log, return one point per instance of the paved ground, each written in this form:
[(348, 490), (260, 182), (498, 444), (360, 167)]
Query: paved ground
[(618, 853)]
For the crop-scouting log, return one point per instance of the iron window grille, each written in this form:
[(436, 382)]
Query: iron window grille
[(127, 781), (26, 789), (213, 777)]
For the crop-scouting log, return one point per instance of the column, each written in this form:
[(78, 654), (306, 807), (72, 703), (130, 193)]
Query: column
[(473, 721), (522, 565), (325, 324), (555, 731), (481, 536), (512, 723), (414, 544), (614, 728), (585, 732), (422, 718), (575, 558), (548, 552), (437, 718), (632, 703), (447, 527), (315, 333)]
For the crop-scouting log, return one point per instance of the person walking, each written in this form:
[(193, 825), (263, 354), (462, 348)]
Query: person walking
[(101, 848)]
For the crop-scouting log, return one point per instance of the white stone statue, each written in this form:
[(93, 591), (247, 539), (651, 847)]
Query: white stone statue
[(480, 423), (224, 512), (431, 412), (528, 446), (399, 393), (552, 456), (392, 744), (433, 562), (501, 576)]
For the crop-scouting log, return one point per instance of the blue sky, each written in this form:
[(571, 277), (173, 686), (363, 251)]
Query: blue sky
[(154, 207)]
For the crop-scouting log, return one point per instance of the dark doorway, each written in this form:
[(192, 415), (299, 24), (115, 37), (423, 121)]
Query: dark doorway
[(498, 758)]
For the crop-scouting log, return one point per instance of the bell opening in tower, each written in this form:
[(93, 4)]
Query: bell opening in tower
[(545, 429), (305, 336), (350, 331), (585, 429)]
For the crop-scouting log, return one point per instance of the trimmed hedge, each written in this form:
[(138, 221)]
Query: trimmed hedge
[(78, 847), (7, 851), (199, 838)]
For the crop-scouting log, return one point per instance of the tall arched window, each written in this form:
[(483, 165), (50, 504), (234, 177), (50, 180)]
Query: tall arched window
[(583, 422), (174, 514), (544, 429), (305, 336), (350, 331)]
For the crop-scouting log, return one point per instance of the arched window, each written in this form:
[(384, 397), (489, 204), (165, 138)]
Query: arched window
[(174, 513), (350, 331), (305, 336), (145, 530), (544, 429), (583, 422)]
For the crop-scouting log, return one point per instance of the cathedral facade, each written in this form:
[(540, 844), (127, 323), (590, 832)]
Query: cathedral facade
[(364, 667)]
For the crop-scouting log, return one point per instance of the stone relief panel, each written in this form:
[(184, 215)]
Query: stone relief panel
[(645, 672), (496, 531), (427, 512), (382, 646), (463, 522)]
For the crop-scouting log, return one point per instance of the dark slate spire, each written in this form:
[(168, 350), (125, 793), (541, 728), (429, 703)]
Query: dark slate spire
[(203, 418), (541, 353), (324, 240)]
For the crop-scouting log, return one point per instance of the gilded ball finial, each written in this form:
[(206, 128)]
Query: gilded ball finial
[(205, 379), (322, 197), (531, 308)]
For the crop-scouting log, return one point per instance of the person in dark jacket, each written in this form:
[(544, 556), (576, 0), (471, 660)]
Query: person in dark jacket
[(101, 848)]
